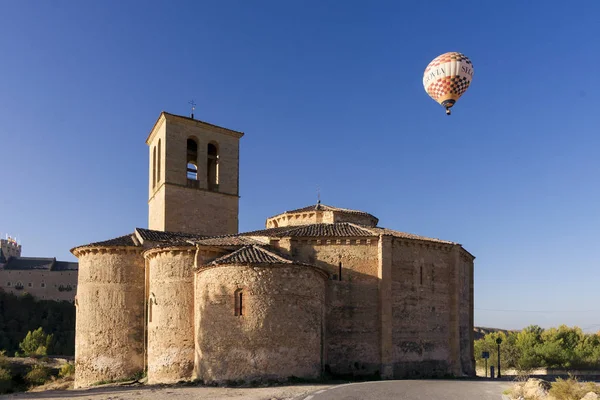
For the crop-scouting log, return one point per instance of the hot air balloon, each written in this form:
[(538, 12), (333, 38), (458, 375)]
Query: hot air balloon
[(447, 77)]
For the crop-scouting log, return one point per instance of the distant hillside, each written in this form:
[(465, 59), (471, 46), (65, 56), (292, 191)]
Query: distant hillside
[(480, 331)]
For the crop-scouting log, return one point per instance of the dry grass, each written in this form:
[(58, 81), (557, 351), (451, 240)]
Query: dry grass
[(65, 383), (572, 389)]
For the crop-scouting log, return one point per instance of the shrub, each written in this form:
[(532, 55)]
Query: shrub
[(572, 389), (5, 380), (38, 375), (36, 343), (67, 369)]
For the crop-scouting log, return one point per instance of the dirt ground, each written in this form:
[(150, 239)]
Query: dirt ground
[(175, 392)]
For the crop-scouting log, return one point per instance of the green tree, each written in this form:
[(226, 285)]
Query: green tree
[(36, 343), (527, 344)]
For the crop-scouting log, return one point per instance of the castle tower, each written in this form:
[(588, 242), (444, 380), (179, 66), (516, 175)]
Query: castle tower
[(193, 177)]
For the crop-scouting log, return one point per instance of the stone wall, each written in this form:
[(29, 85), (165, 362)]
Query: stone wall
[(366, 220), (297, 219), (353, 330), (279, 333), (156, 210), (179, 130), (200, 211), (170, 314), (178, 204), (41, 284), (467, 356), (319, 217), (421, 308), (109, 338), (10, 248)]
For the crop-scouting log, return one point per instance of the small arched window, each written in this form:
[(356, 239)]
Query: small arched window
[(192, 159), (340, 271), (212, 166), (154, 167), (158, 163), (240, 306)]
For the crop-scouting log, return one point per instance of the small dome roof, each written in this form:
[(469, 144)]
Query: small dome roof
[(321, 213)]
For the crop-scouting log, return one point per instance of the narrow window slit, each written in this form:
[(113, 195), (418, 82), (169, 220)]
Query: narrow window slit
[(239, 303)]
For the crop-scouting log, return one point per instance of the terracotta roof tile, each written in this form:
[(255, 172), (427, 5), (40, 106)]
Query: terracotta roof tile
[(324, 207), (251, 254), (225, 241), (162, 236), (340, 229), (125, 240), (404, 235)]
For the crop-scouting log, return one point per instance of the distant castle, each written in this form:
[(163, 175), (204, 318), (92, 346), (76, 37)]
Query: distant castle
[(321, 289), (43, 278)]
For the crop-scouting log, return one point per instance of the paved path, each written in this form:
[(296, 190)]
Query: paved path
[(414, 390)]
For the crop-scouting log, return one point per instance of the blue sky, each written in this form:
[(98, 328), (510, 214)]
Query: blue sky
[(329, 94)]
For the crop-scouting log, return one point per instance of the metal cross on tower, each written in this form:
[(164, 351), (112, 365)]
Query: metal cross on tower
[(193, 104), (318, 195)]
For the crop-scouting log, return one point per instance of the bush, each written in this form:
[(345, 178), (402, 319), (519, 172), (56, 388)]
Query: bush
[(36, 343), (67, 369), (572, 389), (5, 380), (38, 375)]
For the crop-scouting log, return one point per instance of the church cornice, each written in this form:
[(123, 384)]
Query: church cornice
[(171, 250), (164, 116), (82, 251)]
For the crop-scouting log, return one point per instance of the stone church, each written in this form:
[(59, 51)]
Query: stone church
[(320, 290)]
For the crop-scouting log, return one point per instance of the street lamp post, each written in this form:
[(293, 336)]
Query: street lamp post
[(498, 341)]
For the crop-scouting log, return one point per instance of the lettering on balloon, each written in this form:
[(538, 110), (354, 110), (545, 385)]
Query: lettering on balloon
[(434, 74), (467, 70)]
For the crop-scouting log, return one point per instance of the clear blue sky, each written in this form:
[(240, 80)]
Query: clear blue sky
[(329, 94)]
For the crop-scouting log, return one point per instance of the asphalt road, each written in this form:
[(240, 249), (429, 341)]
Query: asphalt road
[(414, 390)]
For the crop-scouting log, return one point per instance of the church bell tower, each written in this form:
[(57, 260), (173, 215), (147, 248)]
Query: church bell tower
[(193, 177)]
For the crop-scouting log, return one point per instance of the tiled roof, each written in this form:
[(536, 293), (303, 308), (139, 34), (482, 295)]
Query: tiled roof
[(226, 241), (324, 207), (272, 232), (162, 236), (251, 254), (65, 266), (37, 263), (340, 229), (125, 240), (404, 235), (29, 263)]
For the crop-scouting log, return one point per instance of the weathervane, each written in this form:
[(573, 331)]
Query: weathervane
[(318, 195), (193, 107)]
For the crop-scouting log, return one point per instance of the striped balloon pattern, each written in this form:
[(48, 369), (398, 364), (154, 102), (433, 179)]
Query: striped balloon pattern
[(447, 77)]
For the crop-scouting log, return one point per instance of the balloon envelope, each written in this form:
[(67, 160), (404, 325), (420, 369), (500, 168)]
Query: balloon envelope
[(447, 77)]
